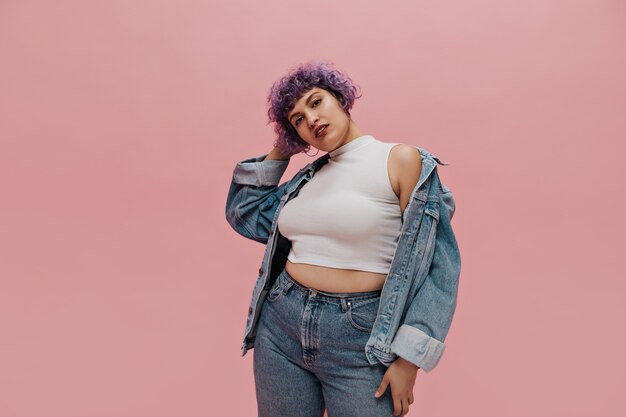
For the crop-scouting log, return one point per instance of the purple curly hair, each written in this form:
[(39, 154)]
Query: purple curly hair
[(290, 88)]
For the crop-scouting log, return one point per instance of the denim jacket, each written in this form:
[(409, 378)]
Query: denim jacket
[(419, 295)]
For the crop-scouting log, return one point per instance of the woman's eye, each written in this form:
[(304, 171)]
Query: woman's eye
[(314, 102)]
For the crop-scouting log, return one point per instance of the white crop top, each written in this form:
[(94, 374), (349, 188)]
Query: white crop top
[(347, 216)]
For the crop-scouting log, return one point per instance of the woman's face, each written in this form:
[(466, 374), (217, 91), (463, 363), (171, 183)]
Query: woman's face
[(318, 108)]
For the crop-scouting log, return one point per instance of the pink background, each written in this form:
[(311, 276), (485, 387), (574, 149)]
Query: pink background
[(124, 292)]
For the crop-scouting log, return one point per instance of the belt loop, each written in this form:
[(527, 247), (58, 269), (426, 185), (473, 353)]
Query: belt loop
[(344, 305), (287, 284)]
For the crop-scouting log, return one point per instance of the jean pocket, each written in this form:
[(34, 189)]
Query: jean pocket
[(279, 289), (362, 314)]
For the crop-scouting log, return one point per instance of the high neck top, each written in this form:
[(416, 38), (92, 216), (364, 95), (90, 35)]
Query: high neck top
[(347, 216), (352, 145)]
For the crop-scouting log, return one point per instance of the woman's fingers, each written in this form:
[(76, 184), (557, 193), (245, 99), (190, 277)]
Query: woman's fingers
[(401, 404), (397, 405), (382, 387)]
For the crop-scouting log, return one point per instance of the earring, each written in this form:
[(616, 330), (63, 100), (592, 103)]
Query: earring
[(313, 154)]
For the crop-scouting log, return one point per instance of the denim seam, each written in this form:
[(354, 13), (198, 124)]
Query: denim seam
[(356, 325), (240, 219)]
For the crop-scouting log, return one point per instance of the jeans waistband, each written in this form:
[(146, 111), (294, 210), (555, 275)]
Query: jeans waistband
[(330, 296)]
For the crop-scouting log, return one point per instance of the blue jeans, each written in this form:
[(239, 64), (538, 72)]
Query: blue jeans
[(309, 354)]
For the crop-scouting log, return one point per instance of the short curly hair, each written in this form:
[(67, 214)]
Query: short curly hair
[(290, 88)]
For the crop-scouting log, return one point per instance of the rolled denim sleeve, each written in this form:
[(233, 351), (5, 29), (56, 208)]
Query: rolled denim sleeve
[(259, 172), (420, 338), (254, 195)]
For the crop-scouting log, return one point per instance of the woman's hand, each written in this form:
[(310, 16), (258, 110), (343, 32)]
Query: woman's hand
[(276, 153), (401, 375)]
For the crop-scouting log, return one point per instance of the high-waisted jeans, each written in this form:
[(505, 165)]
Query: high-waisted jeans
[(309, 354)]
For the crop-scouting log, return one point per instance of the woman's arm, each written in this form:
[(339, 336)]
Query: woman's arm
[(405, 165), (421, 335), (420, 338), (254, 194), (278, 155)]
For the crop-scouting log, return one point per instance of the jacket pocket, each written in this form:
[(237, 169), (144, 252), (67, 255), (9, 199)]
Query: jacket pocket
[(362, 314)]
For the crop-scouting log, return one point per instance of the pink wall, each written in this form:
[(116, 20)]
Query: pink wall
[(124, 292)]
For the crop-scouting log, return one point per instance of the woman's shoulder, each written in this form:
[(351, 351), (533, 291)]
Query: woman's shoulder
[(404, 156), (408, 150), (402, 152), (394, 143)]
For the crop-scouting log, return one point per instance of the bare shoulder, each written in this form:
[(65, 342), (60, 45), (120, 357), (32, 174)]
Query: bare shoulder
[(405, 168), (405, 164), (405, 154)]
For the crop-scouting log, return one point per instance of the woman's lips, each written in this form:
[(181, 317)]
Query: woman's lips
[(322, 132)]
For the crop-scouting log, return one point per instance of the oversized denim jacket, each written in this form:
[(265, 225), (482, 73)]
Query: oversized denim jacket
[(419, 295)]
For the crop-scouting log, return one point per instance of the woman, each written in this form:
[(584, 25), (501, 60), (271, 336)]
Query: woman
[(342, 238)]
